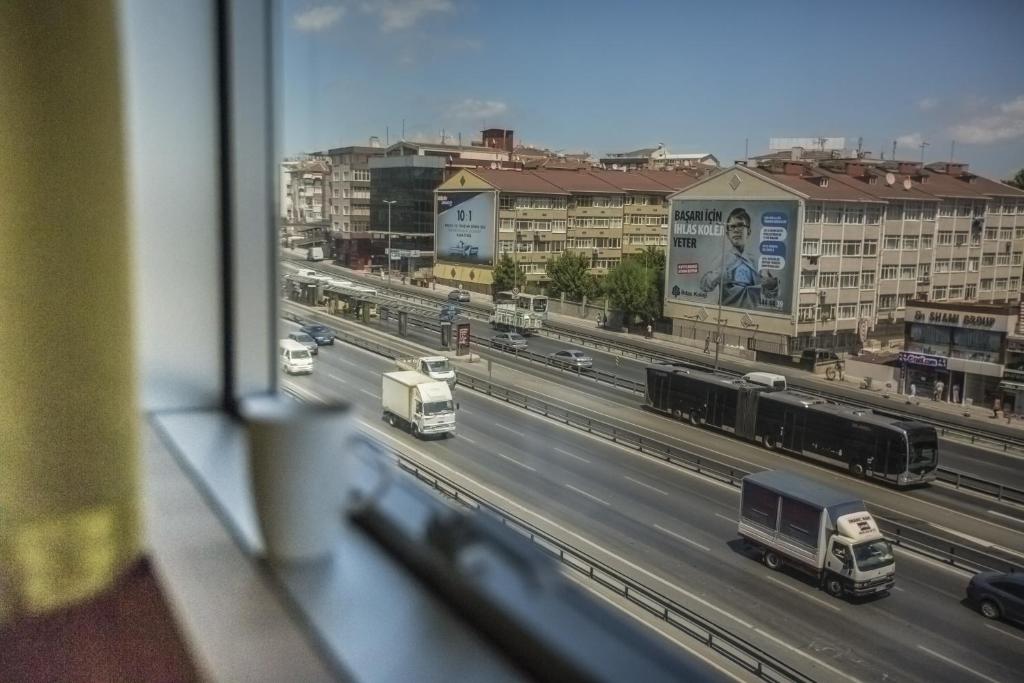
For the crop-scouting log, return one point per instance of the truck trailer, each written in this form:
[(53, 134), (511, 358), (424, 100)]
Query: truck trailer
[(414, 401), (792, 520)]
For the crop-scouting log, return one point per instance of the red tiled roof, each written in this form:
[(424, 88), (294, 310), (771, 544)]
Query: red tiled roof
[(525, 182), (577, 181), (674, 180), (880, 188), (807, 184)]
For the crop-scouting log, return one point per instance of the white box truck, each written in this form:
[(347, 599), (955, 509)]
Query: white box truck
[(434, 367), (826, 532), (315, 254), (422, 405)]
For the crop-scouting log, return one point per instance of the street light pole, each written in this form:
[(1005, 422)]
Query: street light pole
[(721, 285), (389, 203)]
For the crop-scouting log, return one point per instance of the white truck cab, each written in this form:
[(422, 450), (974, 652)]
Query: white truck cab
[(295, 358), (422, 405)]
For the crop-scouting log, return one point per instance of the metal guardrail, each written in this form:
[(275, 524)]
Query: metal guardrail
[(740, 651), (969, 482), (952, 553)]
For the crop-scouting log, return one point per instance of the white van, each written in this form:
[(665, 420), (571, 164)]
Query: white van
[(295, 358), (767, 379)]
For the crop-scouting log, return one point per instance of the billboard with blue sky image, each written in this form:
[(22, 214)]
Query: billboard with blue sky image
[(465, 228)]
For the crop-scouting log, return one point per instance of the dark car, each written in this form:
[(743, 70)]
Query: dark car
[(997, 595), (509, 341), (448, 313), (322, 335), (572, 359), (306, 341), (459, 295)]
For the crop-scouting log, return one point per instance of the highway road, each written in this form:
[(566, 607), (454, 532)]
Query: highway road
[(969, 519), (676, 532)]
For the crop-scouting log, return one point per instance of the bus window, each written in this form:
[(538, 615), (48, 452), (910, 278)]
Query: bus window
[(923, 458), (895, 452)]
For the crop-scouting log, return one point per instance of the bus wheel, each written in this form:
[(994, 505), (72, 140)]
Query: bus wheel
[(694, 418), (833, 586), (677, 414), (768, 442), (856, 469)]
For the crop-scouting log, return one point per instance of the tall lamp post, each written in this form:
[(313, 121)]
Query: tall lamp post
[(389, 202)]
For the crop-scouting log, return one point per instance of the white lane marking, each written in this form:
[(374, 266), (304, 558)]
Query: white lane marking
[(646, 486), (801, 652), (511, 459), (368, 393), (467, 411), (957, 664), (508, 429), (336, 378), (984, 544), (682, 538), (305, 392), (588, 495), (654, 627), (943, 509), (899, 588), (465, 438), (571, 455), (1011, 635), (910, 554), (1005, 516), (728, 519), (803, 593)]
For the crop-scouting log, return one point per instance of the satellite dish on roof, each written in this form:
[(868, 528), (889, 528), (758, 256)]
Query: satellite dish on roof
[(890, 179), (906, 183)]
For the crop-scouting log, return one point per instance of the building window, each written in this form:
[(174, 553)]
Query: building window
[(830, 247), (1014, 283), (1002, 259), (1001, 282), (854, 214), (926, 241), (964, 208), (873, 214), (956, 292), (986, 284), (363, 176), (847, 311), (828, 280), (988, 259), (506, 201), (812, 212), (1006, 233), (912, 211), (910, 242), (827, 311), (938, 293), (867, 279), (1018, 232), (972, 264), (928, 211), (558, 225), (908, 272), (889, 272), (834, 213), (810, 248), (970, 292), (892, 242), (507, 224), (870, 247), (902, 299), (886, 302), (851, 248), (505, 246), (894, 212), (924, 270), (1017, 258), (942, 265), (809, 279), (945, 238), (867, 310), (960, 239), (849, 280), (947, 208), (806, 313), (958, 265)]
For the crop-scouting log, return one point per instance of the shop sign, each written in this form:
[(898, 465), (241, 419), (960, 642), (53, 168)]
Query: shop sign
[(955, 319), (909, 358)]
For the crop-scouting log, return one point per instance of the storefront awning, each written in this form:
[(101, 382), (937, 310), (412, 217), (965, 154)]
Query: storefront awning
[(1011, 386)]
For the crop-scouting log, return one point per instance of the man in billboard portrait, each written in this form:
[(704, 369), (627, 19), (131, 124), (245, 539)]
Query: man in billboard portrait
[(741, 282)]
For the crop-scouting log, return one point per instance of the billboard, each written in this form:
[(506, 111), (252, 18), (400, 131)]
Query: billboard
[(740, 253), (465, 228)]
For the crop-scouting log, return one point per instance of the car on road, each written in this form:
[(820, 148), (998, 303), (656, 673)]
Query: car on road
[(509, 341), (306, 341), (574, 359), (998, 595), (320, 333), (459, 295)]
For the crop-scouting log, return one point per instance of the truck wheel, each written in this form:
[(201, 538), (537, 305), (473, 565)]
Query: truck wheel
[(856, 469), (391, 419), (990, 609), (415, 430), (772, 560), (677, 414), (833, 586)]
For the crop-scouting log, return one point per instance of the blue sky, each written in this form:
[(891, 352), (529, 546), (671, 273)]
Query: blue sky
[(698, 76)]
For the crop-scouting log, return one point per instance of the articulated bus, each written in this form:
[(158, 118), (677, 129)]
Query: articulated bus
[(867, 443), (537, 304)]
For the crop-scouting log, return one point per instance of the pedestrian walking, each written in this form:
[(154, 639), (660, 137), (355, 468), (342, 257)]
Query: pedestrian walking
[(707, 344), (913, 392), (956, 393), (650, 332), (939, 386), (996, 406)]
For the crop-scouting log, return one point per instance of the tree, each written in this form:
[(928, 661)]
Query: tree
[(569, 273), (505, 275), (631, 288), (1018, 179)]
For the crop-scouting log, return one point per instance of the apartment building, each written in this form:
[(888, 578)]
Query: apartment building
[(658, 159), (871, 236), (348, 200), (302, 182), (541, 213)]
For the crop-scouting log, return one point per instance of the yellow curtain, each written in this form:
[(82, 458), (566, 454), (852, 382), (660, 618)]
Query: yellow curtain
[(68, 413)]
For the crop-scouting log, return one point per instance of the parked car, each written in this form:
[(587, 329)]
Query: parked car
[(572, 359), (459, 295), (321, 334), (306, 341), (509, 341), (997, 595)]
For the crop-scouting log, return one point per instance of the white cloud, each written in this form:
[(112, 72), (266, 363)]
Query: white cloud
[(477, 109), (909, 140), (1005, 123), (318, 18), (396, 15), (927, 103)]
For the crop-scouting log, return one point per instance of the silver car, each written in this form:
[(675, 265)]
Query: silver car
[(572, 359), (509, 341), (306, 341)]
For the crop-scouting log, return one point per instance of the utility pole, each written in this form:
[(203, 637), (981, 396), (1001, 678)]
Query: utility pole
[(389, 203), (721, 286), (922, 146), (952, 150)]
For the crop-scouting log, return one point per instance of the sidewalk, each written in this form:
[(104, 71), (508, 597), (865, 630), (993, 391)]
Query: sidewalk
[(734, 359)]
